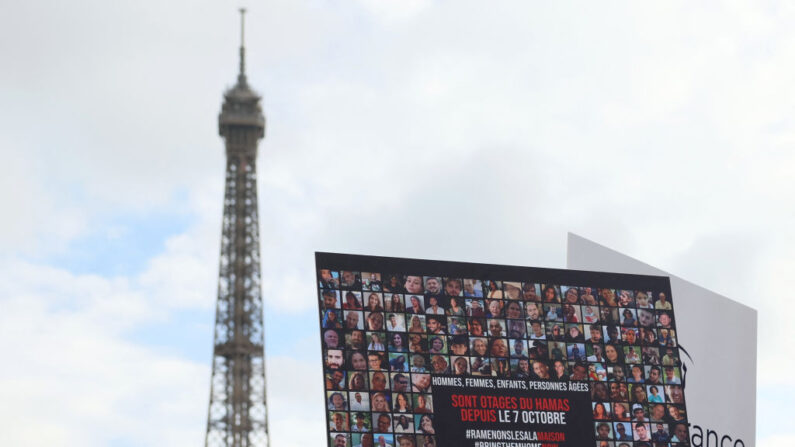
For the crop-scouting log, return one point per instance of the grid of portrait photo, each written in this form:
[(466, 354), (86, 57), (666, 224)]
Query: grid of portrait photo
[(385, 334)]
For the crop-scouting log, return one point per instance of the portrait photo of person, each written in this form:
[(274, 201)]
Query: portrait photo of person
[(334, 359), (339, 439), (375, 321), (433, 285), (492, 289), (360, 422), (423, 403), (383, 423), (419, 363), (664, 319), (424, 424), (590, 314), (641, 431), (628, 317), (512, 289), (531, 292), (339, 421), (416, 323), (460, 365), (607, 297), (458, 345), (330, 299), (440, 364), (662, 302), (455, 307), (579, 371), (648, 336), (433, 305), (331, 319), (435, 324), (403, 423), (414, 285), (453, 287), (375, 341), (601, 411), (457, 325), (376, 361), (533, 311), (608, 315), (398, 362), (397, 342), (352, 301), (655, 394), (379, 381), (576, 352), (395, 322), (513, 310), (680, 433), (536, 330), (496, 327), (328, 279), (643, 300), (571, 313), (657, 412), (674, 394), (400, 382), (380, 401), (437, 344), (626, 298), (645, 318), (603, 431), (498, 347), (475, 308), (393, 282), (557, 350), (620, 411), (671, 375), (550, 293), (418, 343), (574, 333), (335, 380), (571, 295), (651, 355), (336, 401), (587, 296), (676, 413), (629, 335), (623, 431), (394, 302), (494, 308), (371, 281), (660, 433), (553, 312), (353, 319), (473, 288), (402, 402), (374, 302), (616, 373), (421, 383), (415, 304), (357, 381), (350, 280), (359, 401), (637, 394), (363, 440), (354, 340)]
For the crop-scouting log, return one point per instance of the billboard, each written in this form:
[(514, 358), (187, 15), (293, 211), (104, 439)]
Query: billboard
[(719, 335), (421, 353)]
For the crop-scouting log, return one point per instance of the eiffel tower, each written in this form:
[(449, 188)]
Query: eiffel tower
[(238, 414)]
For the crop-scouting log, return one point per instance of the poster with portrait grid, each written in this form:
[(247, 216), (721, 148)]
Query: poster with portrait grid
[(420, 353)]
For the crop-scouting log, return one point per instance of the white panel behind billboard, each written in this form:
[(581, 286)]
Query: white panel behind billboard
[(720, 336)]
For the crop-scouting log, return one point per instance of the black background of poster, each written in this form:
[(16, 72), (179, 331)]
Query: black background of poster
[(579, 421)]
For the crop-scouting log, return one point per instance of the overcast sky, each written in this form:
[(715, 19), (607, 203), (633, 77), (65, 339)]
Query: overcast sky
[(457, 130)]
